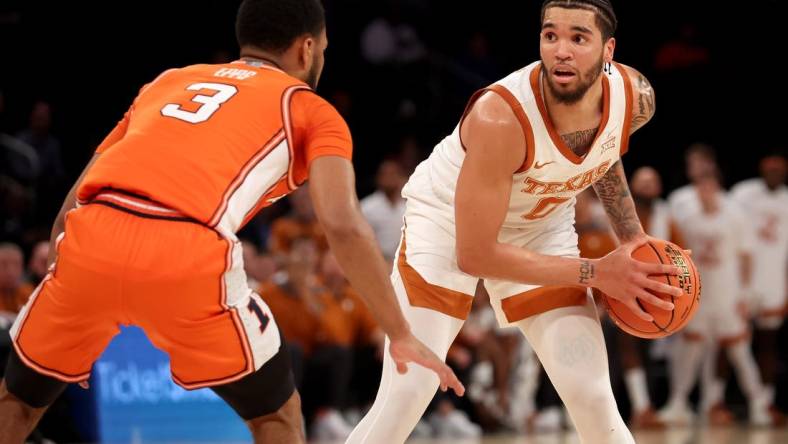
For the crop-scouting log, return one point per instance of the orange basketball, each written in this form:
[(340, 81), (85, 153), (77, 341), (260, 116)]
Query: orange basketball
[(665, 322)]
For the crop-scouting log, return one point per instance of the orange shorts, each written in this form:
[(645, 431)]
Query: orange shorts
[(124, 260)]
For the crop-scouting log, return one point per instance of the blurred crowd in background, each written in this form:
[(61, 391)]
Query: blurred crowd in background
[(401, 82)]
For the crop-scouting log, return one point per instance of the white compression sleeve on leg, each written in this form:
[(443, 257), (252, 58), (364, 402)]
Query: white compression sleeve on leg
[(571, 347), (402, 399)]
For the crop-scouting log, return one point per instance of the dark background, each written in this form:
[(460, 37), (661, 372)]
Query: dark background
[(89, 59)]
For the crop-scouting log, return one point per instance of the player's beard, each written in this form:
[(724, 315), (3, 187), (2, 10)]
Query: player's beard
[(586, 79)]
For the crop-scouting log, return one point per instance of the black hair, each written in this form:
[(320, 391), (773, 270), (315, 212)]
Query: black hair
[(603, 10), (273, 25)]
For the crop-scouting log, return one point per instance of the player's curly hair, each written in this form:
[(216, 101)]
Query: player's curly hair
[(603, 10), (273, 25)]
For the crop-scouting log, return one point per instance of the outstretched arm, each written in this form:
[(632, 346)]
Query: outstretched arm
[(333, 192)]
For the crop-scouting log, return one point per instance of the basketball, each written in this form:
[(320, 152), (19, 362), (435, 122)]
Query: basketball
[(665, 322)]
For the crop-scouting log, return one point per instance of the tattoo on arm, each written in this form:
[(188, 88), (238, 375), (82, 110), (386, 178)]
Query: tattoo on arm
[(646, 103), (586, 272), (613, 191)]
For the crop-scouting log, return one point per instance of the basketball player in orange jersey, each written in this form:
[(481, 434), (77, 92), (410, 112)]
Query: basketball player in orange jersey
[(495, 200), (147, 235)]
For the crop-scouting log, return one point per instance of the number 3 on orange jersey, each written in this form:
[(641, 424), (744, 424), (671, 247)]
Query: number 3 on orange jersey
[(544, 207), (210, 104)]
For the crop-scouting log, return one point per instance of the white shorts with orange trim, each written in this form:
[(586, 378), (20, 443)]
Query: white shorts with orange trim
[(719, 322), (427, 264)]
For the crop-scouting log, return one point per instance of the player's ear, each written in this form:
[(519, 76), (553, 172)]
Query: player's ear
[(306, 52), (610, 48)]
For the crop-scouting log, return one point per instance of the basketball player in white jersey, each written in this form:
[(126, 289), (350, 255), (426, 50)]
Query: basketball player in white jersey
[(495, 200), (701, 161), (717, 233), (765, 200)]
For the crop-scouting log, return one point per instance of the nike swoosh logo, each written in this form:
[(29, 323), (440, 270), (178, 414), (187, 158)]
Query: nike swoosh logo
[(539, 167)]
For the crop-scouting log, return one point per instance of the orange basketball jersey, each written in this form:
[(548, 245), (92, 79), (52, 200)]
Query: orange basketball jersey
[(218, 142)]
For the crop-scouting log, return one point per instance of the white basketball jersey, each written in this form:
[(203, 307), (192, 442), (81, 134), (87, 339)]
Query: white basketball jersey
[(767, 212), (716, 241), (544, 189)]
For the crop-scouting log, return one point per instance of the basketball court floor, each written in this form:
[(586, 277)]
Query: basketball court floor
[(727, 435), (722, 435)]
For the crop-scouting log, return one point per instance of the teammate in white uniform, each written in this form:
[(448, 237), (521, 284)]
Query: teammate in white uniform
[(701, 161), (717, 233), (495, 200), (765, 200)]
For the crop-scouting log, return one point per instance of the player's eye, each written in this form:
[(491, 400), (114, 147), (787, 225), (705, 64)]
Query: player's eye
[(549, 36), (579, 39)]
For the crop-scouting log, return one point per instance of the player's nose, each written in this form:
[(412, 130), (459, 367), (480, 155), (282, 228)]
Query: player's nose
[(562, 51)]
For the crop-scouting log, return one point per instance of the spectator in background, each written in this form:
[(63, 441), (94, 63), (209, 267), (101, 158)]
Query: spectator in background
[(50, 187), (478, 60), (474, 69), (16, 203), (38, 135), (388, 40), (259, 268), (410, 154), (14, 292), (395, 55), (301, 222), (353, 326), (19, 161), (37, 264), (352, 323), (301, 307), (385, 207)]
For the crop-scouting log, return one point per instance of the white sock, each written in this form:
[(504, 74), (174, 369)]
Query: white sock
[(638, 389), (746, 369), (571, 347)]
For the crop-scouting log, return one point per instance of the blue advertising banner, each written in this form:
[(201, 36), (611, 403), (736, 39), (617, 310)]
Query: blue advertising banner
[(137, 402)]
